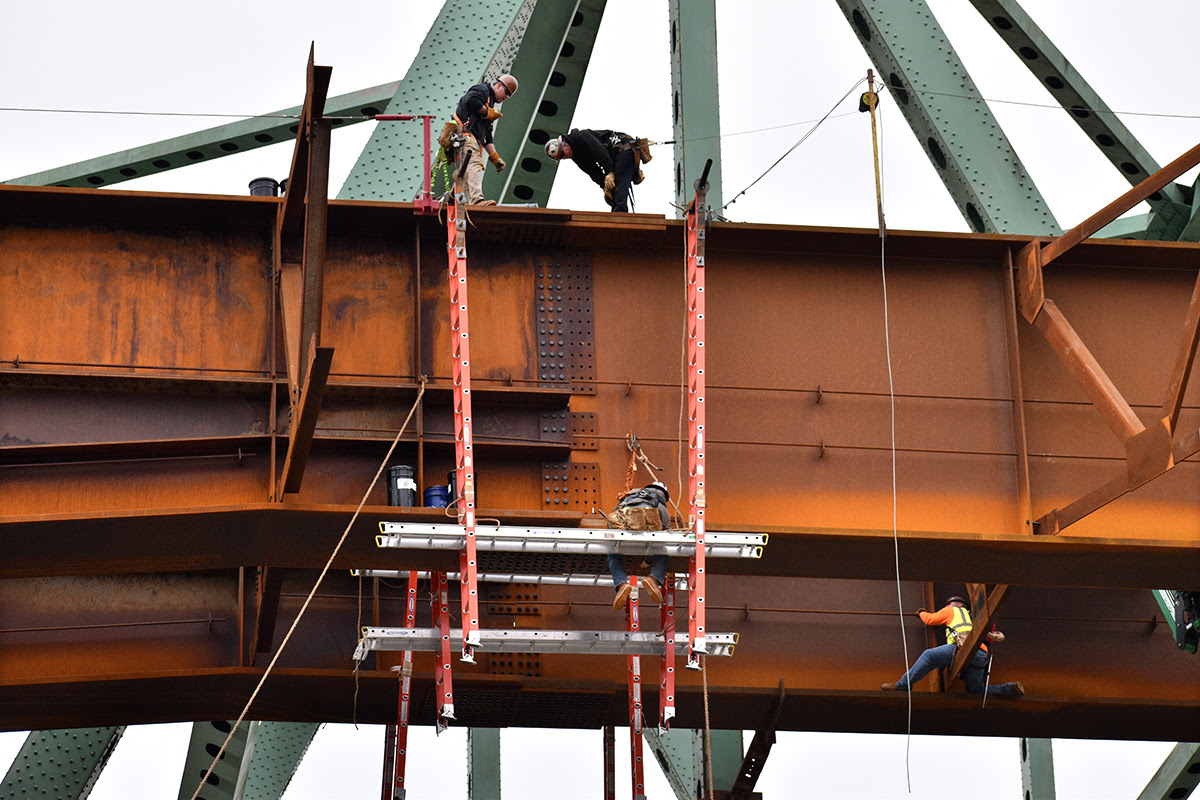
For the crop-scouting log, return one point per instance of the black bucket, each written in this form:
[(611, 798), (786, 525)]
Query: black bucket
[(264, 187), (452, 487), (402, 488)]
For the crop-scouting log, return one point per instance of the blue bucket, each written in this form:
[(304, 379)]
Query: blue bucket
[(435, 497)]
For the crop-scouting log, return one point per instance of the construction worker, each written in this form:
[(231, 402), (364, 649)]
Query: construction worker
[(957, 619), (640, 510), (610, 158), (473, 120)]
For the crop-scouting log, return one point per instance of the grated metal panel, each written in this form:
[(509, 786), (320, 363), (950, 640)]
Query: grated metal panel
[(566, 327)]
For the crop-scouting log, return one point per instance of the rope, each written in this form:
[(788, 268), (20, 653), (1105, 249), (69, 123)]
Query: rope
[(887, 338), (311, 594), (708, 783), (793, 147)]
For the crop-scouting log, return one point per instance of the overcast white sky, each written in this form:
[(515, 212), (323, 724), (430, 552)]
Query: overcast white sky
[(782, 63)]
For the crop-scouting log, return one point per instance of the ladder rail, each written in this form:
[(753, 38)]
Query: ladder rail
[(460, 354), (697, 218)]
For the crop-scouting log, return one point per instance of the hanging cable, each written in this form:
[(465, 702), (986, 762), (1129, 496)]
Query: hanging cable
[(793, 147), (304, 607), (870, 101)]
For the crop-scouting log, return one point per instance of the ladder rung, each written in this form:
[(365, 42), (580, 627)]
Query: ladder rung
[(618, 643), (437, 536)]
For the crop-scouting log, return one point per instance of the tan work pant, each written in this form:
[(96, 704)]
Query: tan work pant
[(472, 154)]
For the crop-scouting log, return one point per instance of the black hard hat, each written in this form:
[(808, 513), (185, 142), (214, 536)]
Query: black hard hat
[(662, 487), (957, 599)]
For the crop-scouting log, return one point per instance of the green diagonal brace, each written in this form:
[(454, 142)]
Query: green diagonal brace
[(551, 64), (1171, 207), (964, 142), (206, 145), (63, 763), (470, 41)]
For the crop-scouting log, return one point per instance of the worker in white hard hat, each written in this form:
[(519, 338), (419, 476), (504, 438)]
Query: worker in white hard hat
[(610, 158), (473, 119)]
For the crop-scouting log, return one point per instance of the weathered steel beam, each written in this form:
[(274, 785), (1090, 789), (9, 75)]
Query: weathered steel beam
[(304, 420)]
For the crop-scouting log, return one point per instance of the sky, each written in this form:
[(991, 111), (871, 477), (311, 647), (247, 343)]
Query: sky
[(783, 65)]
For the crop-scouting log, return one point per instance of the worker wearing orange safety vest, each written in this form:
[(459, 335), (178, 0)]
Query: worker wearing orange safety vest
[(957, 619)]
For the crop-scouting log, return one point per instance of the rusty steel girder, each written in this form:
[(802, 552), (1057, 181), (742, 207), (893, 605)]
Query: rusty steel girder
[(145, 408)]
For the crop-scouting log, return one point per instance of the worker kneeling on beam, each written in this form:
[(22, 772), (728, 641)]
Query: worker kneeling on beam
[(957, 619), (640, 510)]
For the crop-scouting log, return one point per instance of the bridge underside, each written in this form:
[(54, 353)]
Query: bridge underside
[(149, 568)]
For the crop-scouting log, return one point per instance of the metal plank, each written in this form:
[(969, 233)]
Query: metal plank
[(511, 538), (641, 643), (695, 98), (470, 41), (966, 145), (223, 140), (60, 763)]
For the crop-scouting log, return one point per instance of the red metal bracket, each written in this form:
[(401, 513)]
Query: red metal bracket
[(424, 202)]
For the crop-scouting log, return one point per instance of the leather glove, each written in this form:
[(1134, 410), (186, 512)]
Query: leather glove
[(637, 179), (495, 158), (490, 113), (610, 183), (921, 611)]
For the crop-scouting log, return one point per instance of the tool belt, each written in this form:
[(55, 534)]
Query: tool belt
[(635, 519)]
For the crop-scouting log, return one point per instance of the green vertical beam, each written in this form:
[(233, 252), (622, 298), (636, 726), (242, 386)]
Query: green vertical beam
[(1171, 207), (550, 64), (206, 741), (964, 142), (469, 42), (1177, 777), (1037, 769), (483, 763), (209, 144), (64, 764), (695, 107)]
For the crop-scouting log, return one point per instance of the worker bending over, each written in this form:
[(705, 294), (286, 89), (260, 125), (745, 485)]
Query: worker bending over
[(610, 158), (473, 120), (957, 619), (640, 510)]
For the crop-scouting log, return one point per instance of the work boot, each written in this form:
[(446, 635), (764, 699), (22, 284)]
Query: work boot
[(651, 587), (1018, 689), (622, 596), (891, 687)]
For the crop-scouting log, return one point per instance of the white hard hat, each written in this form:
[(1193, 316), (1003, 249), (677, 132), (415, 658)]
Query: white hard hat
[(554, 148)]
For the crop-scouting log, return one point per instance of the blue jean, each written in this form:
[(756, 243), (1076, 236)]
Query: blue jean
[(974, 675), (616, 565)]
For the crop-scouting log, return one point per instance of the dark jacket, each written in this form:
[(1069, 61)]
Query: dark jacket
[(647, 498), (595, 151), (467, 113)]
